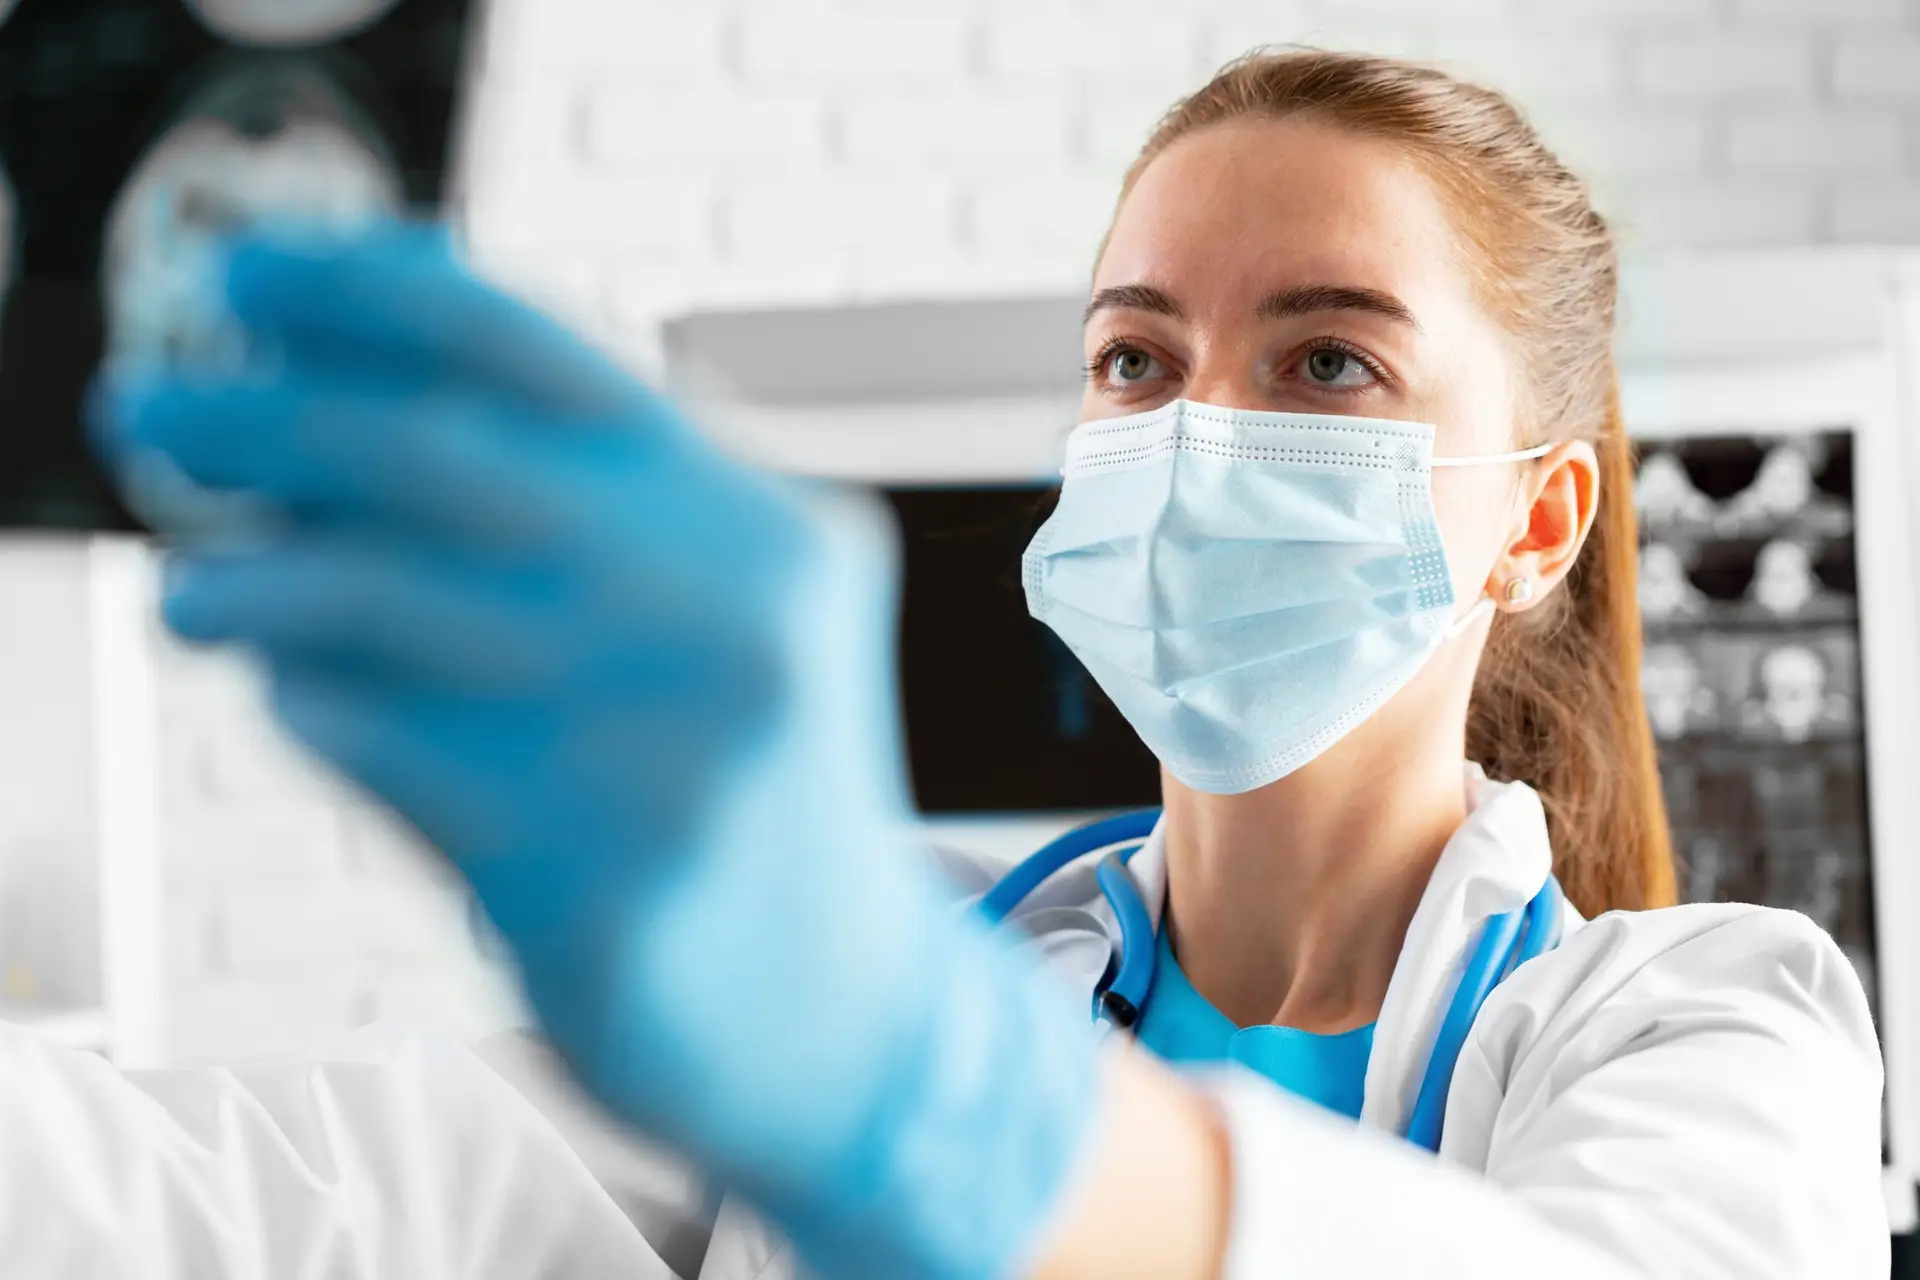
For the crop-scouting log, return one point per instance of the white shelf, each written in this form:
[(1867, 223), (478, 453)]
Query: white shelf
[(1903, 1213), (124, 581)]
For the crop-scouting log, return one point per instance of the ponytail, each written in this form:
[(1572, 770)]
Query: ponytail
[(1558, 705)]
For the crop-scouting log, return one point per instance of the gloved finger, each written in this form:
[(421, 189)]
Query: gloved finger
[(423, 614), (386, 746), (400, 298), (438, 758), (463, 470), (447, 463), (387, 608)]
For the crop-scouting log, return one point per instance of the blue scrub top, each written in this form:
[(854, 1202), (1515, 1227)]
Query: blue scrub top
[(1181, 1026)]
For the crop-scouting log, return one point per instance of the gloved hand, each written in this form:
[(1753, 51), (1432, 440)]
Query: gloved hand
[(643, 698)]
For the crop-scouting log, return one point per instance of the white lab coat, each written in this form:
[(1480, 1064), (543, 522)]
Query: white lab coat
[(1690, 1092)]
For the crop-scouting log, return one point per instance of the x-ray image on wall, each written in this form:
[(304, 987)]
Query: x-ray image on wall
[(1752, 672), (287, 22), (137, 133), (9, 230), (274, 139)]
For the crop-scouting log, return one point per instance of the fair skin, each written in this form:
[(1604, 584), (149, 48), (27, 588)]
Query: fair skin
[(1298, 267)]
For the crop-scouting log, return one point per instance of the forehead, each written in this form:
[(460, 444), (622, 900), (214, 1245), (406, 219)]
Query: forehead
[(1230, 213)]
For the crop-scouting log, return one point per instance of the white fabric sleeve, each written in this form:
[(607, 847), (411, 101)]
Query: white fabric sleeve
[(1315, 1198), (400, 1155), (665, 1198), (1697, 1102)]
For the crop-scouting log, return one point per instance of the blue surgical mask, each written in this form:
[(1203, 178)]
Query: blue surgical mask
[(1247, 586)]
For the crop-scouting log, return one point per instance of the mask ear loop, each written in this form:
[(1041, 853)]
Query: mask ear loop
[(1490, 459), (1484, 605), (1481, 608)]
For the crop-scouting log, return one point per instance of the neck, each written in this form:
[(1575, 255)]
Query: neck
[(1289, 904)]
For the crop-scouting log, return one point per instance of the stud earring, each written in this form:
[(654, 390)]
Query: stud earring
[(1520, 590)]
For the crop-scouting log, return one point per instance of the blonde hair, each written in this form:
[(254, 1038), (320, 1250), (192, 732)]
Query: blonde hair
[(1557, 701)]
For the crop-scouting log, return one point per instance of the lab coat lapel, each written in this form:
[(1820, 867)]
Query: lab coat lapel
[(1495, 862)]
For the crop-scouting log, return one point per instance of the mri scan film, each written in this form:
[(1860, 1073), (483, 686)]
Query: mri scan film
[(269, 141), (1751, 672), (287, 22), (135, 133)]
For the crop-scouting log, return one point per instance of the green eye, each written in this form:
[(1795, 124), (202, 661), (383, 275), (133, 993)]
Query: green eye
[(1132, 364), (1332, 367)]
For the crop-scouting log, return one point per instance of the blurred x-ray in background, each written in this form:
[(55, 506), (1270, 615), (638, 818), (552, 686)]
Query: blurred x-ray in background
[(630, 162), (1750, 597), (134, 132), (166, 890)]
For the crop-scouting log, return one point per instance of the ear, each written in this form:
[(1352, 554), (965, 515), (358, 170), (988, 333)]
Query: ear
[(1559, 496)]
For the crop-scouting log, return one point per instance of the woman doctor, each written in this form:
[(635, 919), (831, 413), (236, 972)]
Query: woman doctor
[(642, 698)]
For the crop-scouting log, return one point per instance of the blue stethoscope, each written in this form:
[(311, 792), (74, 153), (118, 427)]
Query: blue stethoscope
[(1506, 942)]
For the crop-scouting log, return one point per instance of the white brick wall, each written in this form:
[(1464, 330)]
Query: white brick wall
[(1717, 67), (852, 48), (1877, 66), (1814, 142), (759, 151), (292, 909), (639, 157)]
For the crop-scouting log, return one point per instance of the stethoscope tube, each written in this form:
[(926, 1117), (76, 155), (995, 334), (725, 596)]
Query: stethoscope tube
[(1124, 997), (1034, 870), (1506, 942), (1122, 991)]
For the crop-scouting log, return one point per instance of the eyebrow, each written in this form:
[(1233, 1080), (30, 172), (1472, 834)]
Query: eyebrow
[(1304, 299), (1133, 297)]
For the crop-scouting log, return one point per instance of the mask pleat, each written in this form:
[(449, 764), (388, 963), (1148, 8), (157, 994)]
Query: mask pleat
[(1245, 586)]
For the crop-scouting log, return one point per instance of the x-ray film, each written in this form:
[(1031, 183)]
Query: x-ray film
[(288, 22), (272, 141), (1751, 672), (134, 135)]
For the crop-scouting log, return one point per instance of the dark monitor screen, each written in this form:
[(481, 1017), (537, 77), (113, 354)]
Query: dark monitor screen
[(1000, 716), (130, 129)]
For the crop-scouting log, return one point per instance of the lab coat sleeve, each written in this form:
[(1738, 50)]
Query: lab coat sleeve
[(1697, 1096), (399, 1155), (665, 1198), (1314, 1198)]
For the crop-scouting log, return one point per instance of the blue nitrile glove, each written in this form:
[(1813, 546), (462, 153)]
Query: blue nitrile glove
[(643, 698)]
